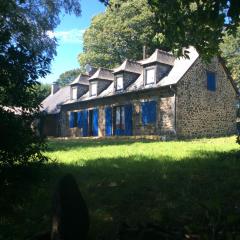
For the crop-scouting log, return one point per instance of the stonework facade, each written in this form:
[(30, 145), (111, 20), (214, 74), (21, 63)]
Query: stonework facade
[(183, 98), (204, 113), (165, 112)]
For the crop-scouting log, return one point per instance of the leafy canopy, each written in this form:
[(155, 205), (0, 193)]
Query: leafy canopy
[(68, 76), (119, 33), (182, 23), (230, 51), (26, 51)]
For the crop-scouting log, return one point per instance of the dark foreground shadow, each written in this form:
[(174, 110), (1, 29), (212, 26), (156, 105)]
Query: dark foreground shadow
[(200, 195)]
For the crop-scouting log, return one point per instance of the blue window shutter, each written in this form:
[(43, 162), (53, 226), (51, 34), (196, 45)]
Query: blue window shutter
[(149, 112), (95, 122), (128, 119), (85, 123), (211, 81), (80, 119), (108, 121), (71, 120)]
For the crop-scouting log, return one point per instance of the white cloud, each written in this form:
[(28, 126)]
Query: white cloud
[(71, 36)]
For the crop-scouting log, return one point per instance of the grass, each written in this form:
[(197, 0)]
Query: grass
[(192, 185)]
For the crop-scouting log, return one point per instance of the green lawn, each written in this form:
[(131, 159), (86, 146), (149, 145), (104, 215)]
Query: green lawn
[(193, 185)]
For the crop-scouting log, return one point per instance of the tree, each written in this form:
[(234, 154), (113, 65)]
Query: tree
[(182, 23), (230, 51), (42, 91), (119, 33), (26, 51), (68, 76)]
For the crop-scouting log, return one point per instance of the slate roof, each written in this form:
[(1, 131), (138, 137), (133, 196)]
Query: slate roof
[(180, 67), (129, 66), (159, 56), (103, 73), (51, 104), (81, 79)]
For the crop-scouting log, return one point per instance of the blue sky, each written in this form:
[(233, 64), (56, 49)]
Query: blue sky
[(69, 34)]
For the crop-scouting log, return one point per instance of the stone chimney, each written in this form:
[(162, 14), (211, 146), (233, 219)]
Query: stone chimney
[(55, 88)]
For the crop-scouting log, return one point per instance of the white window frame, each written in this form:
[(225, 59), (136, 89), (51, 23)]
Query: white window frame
[(94, 87), (74, 93), (119, 86), (146, 75)]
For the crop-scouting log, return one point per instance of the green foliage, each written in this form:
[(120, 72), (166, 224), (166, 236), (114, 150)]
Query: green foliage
[(230, 51), (42, 91), (19, 142), (198, 23), (181, 23), (68, 76), (26, 51), (119, 33)]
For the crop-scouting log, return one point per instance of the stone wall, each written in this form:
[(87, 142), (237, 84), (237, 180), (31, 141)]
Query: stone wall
[(50, 125), (165, 112), (203, 113)]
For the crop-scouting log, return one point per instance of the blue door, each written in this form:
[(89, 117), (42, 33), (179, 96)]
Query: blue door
[(108, 121), (128, 120), (95, 122), (85, 123), (80, 119)]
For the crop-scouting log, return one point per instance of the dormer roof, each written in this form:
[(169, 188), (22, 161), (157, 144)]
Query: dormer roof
[(103, 74), (160, 57), (129, 66), (81, 79)]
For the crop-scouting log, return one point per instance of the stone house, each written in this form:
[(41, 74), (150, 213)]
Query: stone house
[(160, 95)]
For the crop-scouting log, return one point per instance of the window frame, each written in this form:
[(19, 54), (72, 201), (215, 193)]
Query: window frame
[(74, 88), (121, 77), (145, 75), (91, 90), (121, 124)]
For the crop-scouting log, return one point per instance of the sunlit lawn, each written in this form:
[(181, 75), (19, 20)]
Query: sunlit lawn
[(194, 185)]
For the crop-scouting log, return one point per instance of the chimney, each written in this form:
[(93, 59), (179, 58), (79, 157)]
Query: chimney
[(55, 88), (144, 51)]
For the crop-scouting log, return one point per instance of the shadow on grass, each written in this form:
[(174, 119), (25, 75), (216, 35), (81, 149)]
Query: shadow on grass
[(66, 145), (200, 195)]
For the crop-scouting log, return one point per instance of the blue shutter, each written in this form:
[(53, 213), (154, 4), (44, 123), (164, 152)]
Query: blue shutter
[(149, 112), (211, 81), (80, 119), (71, 120), (85, 123), (95, 122), (108, 121), (128, 120)]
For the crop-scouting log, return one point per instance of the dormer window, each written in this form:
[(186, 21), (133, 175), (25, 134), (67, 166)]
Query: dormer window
[(119, 83), (94, 89), (149, 76), (74, 93)]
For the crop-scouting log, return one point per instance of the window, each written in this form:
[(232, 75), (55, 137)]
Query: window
[(74, 93), (211, 81), (149, 112), (150, 76), (120, 116), (119, 81), (93, 89)]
